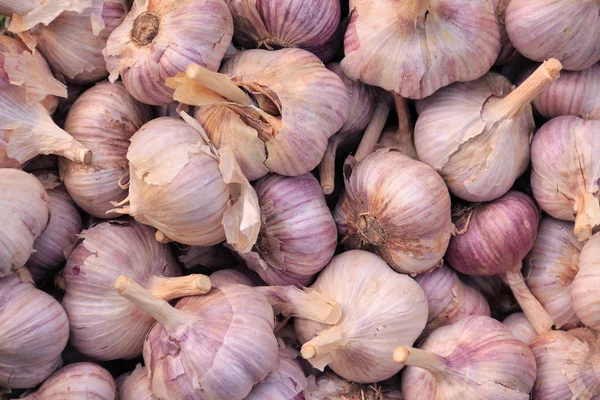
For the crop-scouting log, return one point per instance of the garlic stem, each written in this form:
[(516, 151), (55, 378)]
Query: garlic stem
[(423, 359), (543, 76), (373, 131), (218, 83), (305, 303), (160, 310), (404, 119), (172, 288), (327, 167), (588, 216), (534, 311), (321, 348), (161, 237), (77, 153)]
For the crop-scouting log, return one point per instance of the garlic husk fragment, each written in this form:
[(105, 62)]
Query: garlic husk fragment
[(552, 265), (381, 310), (103, 118), (584, 294), (574, 93), (487, 130), (294, 105), (417, 47), (34, 328), (61, 232), (77, 381), (25, 14), (564, 29), (401, 138), (135, 385), (298, 235), (396, 207), (25, 214), (330, 386), (476, 357), (103, 324), (192, 193), (568, 364), (160, 38), (520, 327), (72, 44), (228, 332), (508, 53), (565, 156)]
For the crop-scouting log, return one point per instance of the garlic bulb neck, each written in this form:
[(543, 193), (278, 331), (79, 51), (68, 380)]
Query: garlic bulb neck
[(173, 288), (423, 359), (414, 8), (218, 83), (588, 215), (370, 230), (145, 28), (305, 303), (320, 349), (374, 130)]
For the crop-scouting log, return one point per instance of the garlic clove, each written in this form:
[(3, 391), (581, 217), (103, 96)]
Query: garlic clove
[(520, 327), (583, 295), (27, 14)]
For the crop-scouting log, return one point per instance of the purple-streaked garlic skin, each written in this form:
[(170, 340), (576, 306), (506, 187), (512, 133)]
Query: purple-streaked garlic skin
[(585, 294), (158, 39), (520, 327), (234, 276), (386, 41), (112, 328), (376, 301), (494, 237), (77, 381), (398, 208), (73, 43), (564, 29), (574, 93), (23, 218), (552, 265), (331, 386), (508, 53), (567, 365), (103, 118), (298, 234), (34, 329), (231, 328), (134, 386), (482, 359), (276, 24), (565, 156)]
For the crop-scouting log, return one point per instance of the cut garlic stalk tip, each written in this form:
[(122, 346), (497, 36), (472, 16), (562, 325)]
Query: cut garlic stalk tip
[(421, 359), (401, 355), (161, 237), (308, 351)]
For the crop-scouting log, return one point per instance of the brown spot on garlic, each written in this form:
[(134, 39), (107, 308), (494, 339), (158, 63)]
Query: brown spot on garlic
[(145, 28)]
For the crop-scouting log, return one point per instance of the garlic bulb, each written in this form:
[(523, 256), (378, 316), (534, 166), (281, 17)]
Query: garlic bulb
[(226, 333), (508, 53), (584, 295), (566, 169), (485, 147), (298, 235), (381, 310), (360, 112), (574, 93), (520, 327), (135, 385), (160, 38), (493, 239), (330, 386), (398, 208), (103, 118), (77, 381), (416, 47), (449, 300), (25, 213), (73, 42), (564, 29), (34, 330), (567, 365), (25, 14), (401, 138), (552, 264), (281, 24), (61, 232), (475, 358), (191, 193), (205, 259), (113, 328), (281, 108)]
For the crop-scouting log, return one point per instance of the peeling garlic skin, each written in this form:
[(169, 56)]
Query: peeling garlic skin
[(564, 29), (275, 24), (416, 47), (585, 285), (134, 386)]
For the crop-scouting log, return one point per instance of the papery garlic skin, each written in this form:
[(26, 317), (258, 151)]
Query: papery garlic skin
[(77, 381), (563, 29), (417, 47), (104, 325), (584, 295), (567, 365), (398, 208), (508, 53), (298, 235), (25, 213), (72, 44), (381, 309), (291, 23), (103, 118), (552, 265), (330, 386), (135, 386), (160, 38), (34, 329), (566, 170), (518, 325), (25, 14)]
